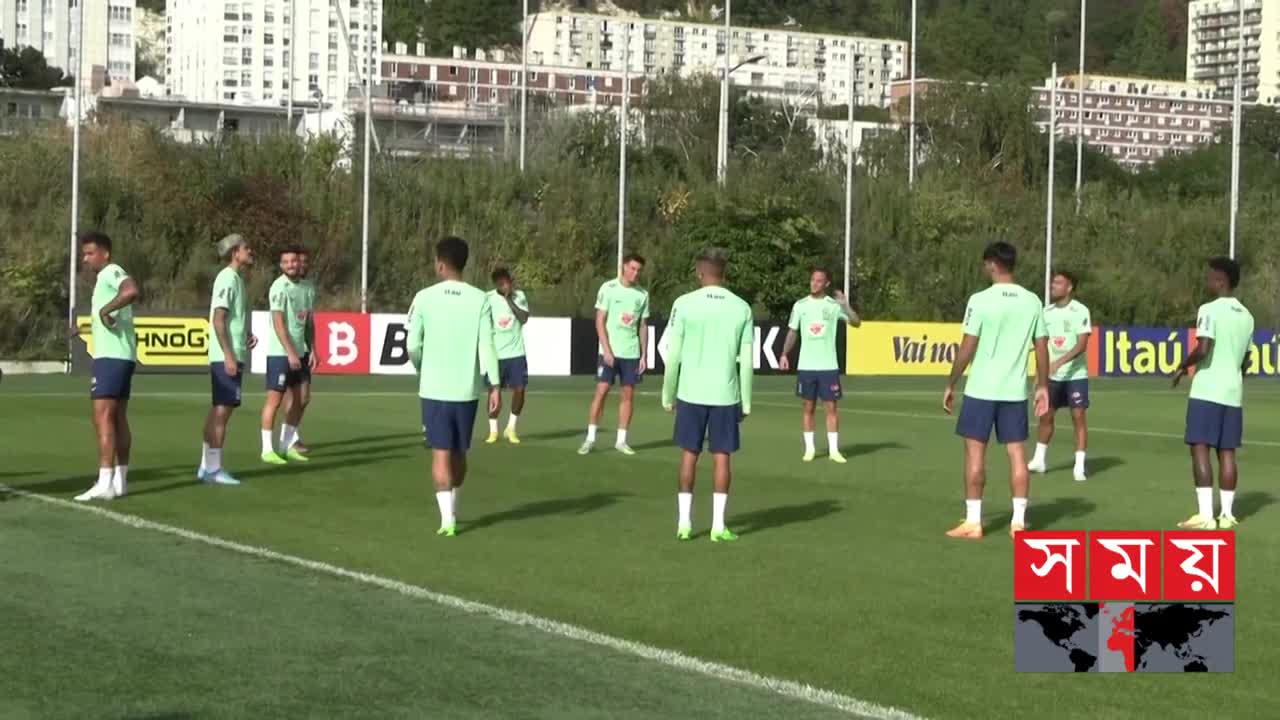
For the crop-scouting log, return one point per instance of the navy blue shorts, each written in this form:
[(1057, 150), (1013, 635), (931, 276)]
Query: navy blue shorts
[(513, 372), (280, 377), (449, 424), (112, 379), (1068, 394), (226, 389), (821, 385), (1215, 425), (304, 373), (978, 417), (715, 424), (625, 371)]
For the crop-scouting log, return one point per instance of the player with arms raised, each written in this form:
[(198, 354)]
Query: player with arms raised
[(289, 358), (816, 317), (622, 315), (229, 346), (510, 311), (708, 385), (1070, 328), (115, 353), (451, 346), (1000, 323), (1215, 414)]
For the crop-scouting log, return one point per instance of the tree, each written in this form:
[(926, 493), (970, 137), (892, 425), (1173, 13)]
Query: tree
[(1147, 52), (27, 69)]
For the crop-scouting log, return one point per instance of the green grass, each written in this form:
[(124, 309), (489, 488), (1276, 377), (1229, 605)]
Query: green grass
[(842, 578)]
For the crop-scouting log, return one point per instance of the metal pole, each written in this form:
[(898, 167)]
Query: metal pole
[(524, 80), (1080, 113), (622, 139), (911, 142), (75, 172), (848, 190), (368, 139), (722, 151), (1237, 111), (1053, 146), (293, 57)]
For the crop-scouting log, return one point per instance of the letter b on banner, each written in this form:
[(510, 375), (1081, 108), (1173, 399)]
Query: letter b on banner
[(342, 343)]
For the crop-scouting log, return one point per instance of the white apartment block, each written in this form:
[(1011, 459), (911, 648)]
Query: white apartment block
[(1213, 47), (239, 51), (53, 28), (788, 58)]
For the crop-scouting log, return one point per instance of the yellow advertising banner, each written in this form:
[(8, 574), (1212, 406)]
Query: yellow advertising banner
[(905, 348), (163, 341)]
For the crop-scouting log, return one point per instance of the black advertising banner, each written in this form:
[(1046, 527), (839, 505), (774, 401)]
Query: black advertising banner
[(769, 339)]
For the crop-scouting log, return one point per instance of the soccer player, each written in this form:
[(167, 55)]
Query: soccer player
[(1067, 321), (289, 358), (622, 325), (1215, 416), (510, 310), (451, 346), (115, 351), (1000, 323), (311, 360), (818, 370), (708, 385), (229, 344)]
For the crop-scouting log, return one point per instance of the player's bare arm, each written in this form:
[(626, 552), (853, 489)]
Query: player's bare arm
[(521, 315), (644, 345), (125, 297), (229, 360), (784, 362), (1204, 347), (311, 340), (968, 346), (855, 320), (1042, 376), (1081, 346), (602, 333), (282, 333)]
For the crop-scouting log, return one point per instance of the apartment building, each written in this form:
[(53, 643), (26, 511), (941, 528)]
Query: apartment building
[(497, 82), (53, 28), (774, 58), (1213, 47), (1136, 121), (225, 51)]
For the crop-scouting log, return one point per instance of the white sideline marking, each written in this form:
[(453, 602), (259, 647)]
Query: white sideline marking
[(669, 658)]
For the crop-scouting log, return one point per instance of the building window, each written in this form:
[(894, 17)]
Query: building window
[(268, 38)]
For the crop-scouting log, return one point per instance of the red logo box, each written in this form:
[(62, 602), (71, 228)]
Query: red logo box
[(1124, 565), (342, 343), (1200, 566), (1049, 565)]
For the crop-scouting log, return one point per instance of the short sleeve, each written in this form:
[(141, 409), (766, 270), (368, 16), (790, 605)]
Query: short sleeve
[(1086, 323), (1206, 326), (794, 322), (521, 301), (278, 299), (116, 278), (973, 319), (224, 294), (602, 297)]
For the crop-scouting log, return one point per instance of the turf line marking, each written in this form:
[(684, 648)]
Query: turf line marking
[(669, 658)]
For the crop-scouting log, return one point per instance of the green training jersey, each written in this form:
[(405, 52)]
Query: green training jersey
[(816, 321), (625, 308), (119, 342), (1220, 378), (451, 342), (1066, 325), (292, 300), (508, 331), (229, 295), (1006, 318), (710, 341)]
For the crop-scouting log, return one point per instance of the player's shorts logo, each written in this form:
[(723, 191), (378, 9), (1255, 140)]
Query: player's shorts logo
[(600, 371), (93, 382), (280, 381), (504, 322), (627, 318)]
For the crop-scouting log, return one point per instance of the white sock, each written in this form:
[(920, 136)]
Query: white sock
[(493, 426), (511, 421), (718, 503), (622, 437), (1228, 497), (267, 446), (104, 477), (290, 436), (204, 456), (1041, 449), (685, 502), (455, 493), (973, 511), (213, 460), (833, 441), (1080, 459), (591, 433), (1019, 511), (120, 479), (444, 498), (1204, 500), (808, 442)]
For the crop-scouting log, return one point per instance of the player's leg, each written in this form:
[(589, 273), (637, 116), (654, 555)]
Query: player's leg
[(124, 449), (304, 394), (684, 495), (1204, 429), (1057, 399), (268, 419), (689, 433), (976, 421), (104, 428), (605, 376), (463, 418), (1012, 431), (1078, 401), (435, 418), (289, 428), (833, 430), (1228, 472), (226, 398), (504, 382), (629, 375), (723, 438), (807, 410), (519, 382)]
